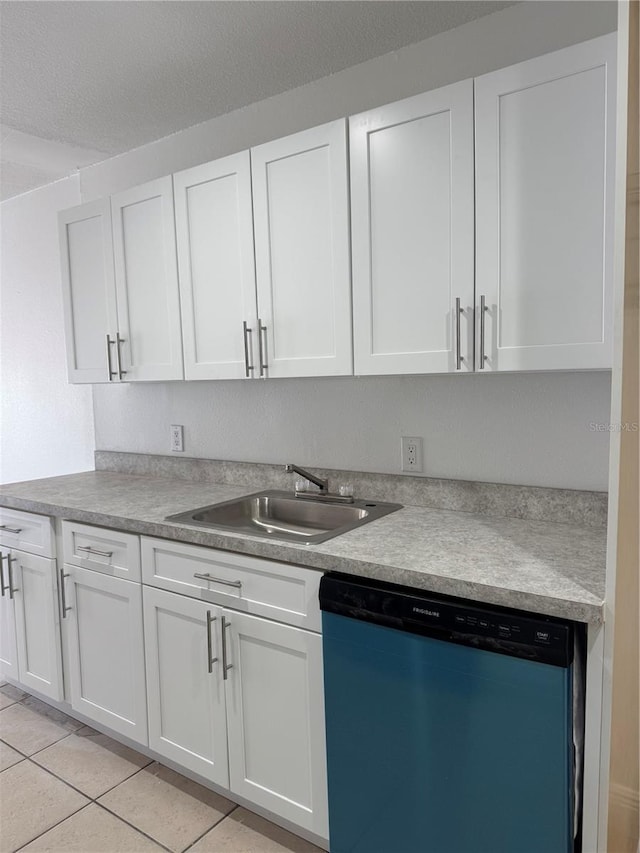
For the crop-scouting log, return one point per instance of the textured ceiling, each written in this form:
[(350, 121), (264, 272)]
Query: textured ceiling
[(105, 77)]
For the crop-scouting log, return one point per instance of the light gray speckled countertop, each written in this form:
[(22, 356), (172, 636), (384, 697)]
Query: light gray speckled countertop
[(544, 567)]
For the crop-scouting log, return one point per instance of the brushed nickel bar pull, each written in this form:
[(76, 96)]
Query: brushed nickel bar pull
[(225, 666), (211, 579), (459, 358), (3, 587), (110, 369), (95, 551), (248, 368), (15, 530), (119, 341), (210, 659), (262, 350), (10, 560), (63, 595), (483, 308)]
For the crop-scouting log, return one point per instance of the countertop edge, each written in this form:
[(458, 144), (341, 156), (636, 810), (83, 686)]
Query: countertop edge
[(580, 611)]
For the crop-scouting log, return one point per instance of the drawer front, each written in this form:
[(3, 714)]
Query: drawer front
[(265, 588), (27, 532), (108, 551)]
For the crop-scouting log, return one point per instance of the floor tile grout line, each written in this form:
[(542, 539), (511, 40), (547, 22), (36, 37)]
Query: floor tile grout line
[(133, 826), (90, 801), (53, 743), (79, 791), (59, 778), (95, 800), (40, 834), (6, 743), (217, 823), (37, 752), (121, 782)]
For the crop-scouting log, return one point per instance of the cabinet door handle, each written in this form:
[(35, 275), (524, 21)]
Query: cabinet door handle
[(15, 530), (11, 589), (110, 369), (262, 348), (210, 579), (95, 551), (63, 595), (459, 358), (210, 659), (246, 331), (3, 587), (483, 308), (119, 341), (225, 666)]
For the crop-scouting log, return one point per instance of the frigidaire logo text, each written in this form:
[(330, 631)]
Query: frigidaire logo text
[(426, 612)]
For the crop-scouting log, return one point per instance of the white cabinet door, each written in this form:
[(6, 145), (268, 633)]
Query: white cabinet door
[(8, 645), (88, 290), (214, 230), (37, 623), (301, 221), (275, 717), (412, 234), (185, 688), (146, 275), (544, 170), (106, 650)]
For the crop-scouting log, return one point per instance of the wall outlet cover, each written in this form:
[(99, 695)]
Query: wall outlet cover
[(177, 438), (411, 447)]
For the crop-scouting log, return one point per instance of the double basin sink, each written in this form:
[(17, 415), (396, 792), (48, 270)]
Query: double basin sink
[(280, 515)]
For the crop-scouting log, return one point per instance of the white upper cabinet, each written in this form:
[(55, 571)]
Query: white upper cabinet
[(412, 234), (146, 276), (301, 222), (544, 170), (214, 229), (502, 263), (88, 290)]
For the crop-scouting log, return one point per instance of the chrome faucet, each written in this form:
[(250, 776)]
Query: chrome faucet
[(323, 485), (322, 494)]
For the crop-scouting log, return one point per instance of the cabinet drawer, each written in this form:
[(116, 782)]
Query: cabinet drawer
[(262, 587), (109, 551), (27, 532)]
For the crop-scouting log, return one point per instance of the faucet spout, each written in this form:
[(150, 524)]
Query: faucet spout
[(323, 485)]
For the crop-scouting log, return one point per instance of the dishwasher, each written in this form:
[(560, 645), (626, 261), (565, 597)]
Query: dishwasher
[(452, 727)]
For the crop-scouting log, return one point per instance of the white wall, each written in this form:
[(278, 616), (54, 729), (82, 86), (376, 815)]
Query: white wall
[(531, 429), (46, 425)]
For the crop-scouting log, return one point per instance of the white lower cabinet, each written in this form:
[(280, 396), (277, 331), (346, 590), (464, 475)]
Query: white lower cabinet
[(185, 687), (275, 718), (30, 650), (8, 642), (239, 699), (106, 650)]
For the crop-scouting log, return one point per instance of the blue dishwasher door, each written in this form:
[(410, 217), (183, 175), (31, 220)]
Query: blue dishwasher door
[(434, 747)]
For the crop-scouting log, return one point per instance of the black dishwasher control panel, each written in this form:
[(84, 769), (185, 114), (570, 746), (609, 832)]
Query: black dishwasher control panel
[(498, 629)]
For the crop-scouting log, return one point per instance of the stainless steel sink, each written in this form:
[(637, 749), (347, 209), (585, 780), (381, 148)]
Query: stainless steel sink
[(280, 515)]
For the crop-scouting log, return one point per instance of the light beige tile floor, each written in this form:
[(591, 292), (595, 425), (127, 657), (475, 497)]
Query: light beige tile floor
[(65, 787)]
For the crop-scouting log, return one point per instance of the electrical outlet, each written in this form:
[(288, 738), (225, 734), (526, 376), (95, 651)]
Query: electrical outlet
[(177, 438), (411, 447)]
